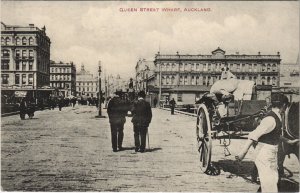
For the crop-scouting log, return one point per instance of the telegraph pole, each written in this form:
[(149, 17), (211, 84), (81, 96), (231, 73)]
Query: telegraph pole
[(100, 93)]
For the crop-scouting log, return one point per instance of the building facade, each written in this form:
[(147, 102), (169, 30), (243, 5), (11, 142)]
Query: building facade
[(143, 70), (172, 71), (86, 84), (63, 78), (25, 59)]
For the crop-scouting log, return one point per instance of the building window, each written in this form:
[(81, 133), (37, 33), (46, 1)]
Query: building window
[(181, 67), (197, 67), (209, 67), (185, 80), (31, 54), (274, 68), (23, 65), (263, 80), (30, 79), (30, 65), (2, 41), (30, 41), (268, 80), (7, 41), (167, 67), (173, 67), (186, 67), (181, 80), (204, 80), (23, 78), (179, 97), (193, 80), (173, 80), (17, 65), (17, 79), (18, 41), (4, 65), (24, 53), (4, 78), (24, 41), (17, 54), (5, 53), (274, 81), (197, 80)]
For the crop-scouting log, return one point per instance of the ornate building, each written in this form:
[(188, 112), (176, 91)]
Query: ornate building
[(63, 77), (25, 60), (143, 70), (199, 72), (86, 84)]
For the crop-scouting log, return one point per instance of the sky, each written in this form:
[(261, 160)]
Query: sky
[(87, 32)]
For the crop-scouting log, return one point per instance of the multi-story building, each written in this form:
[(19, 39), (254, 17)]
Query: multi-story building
[(174, 73), (86, 83), (63, 78), (143, 70), (25, 60), (115, 83)]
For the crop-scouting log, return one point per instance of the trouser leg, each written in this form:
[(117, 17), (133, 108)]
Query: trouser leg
[(114, 130), (136, 131), (143, 137), (120, 135)]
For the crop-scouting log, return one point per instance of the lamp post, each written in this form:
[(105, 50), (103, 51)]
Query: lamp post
[(100, 93)]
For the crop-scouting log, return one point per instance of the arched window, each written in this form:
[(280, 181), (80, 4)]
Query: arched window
[(30, 41), (197, 80), (263, 80), (173, 80), (269, 68), (274, 83), (193, 80), (268, 81), (2, 41), (7, 40), (264, 68), (18, 41), (181, 80), (274, 68), (24, 41)]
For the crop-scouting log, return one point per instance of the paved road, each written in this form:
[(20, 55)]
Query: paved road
[(71, 151)]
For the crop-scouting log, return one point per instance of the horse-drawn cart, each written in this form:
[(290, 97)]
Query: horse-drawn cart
[(224, 118)]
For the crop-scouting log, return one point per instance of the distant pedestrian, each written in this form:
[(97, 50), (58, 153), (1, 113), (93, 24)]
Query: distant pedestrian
[(142, 115), (155, 102), (265, 139), (60, 103), (172, 106), (73, 100), (23, 108), (117, 111), (30, 109)]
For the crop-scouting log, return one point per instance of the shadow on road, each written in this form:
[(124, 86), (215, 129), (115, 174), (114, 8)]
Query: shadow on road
[(153, 149)]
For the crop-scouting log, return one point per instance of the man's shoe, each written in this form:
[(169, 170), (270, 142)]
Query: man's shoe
[(136, 149), (142, 151), (121, 148), (115, 150)]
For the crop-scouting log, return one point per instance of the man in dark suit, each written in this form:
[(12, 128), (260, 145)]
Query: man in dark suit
[(117, 110), (142, 115)]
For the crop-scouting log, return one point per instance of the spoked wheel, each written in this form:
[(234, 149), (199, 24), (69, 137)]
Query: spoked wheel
[(203, 132)]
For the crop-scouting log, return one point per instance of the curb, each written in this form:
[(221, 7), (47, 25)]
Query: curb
[(180, 112)]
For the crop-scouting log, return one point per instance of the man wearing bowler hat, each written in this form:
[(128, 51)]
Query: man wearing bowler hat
[(142, 115), (117, 110)]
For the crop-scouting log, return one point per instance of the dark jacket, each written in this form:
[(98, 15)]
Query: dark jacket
[(116, 110), (142, 113)]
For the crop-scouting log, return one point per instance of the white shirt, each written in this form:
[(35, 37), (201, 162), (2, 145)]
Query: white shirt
[(266, 126)]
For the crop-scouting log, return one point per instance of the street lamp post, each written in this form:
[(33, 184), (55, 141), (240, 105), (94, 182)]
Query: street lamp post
[(100, 93)]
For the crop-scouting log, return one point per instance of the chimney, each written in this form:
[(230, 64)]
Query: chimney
[(258, 53), (278, 53)]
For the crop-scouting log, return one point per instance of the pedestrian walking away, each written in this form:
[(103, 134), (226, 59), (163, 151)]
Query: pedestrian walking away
[(23, 108), (265, 139), (172, 106), (142, 115), (117, 110), (155, 102)]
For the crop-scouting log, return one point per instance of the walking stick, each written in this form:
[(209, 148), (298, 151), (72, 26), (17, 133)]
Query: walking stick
[(148, 140)]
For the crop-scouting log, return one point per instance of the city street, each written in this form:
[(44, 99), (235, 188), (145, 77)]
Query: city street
[(70, 150)]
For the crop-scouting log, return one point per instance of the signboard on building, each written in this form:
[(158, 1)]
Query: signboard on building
[(20, 93)]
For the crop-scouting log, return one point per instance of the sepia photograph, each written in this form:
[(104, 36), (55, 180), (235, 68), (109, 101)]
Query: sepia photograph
[(150, 96)]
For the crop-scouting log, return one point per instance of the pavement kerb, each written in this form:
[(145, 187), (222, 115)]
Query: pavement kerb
[(180, 112)]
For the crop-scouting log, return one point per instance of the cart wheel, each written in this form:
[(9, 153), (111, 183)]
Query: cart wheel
[(203, 132)]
